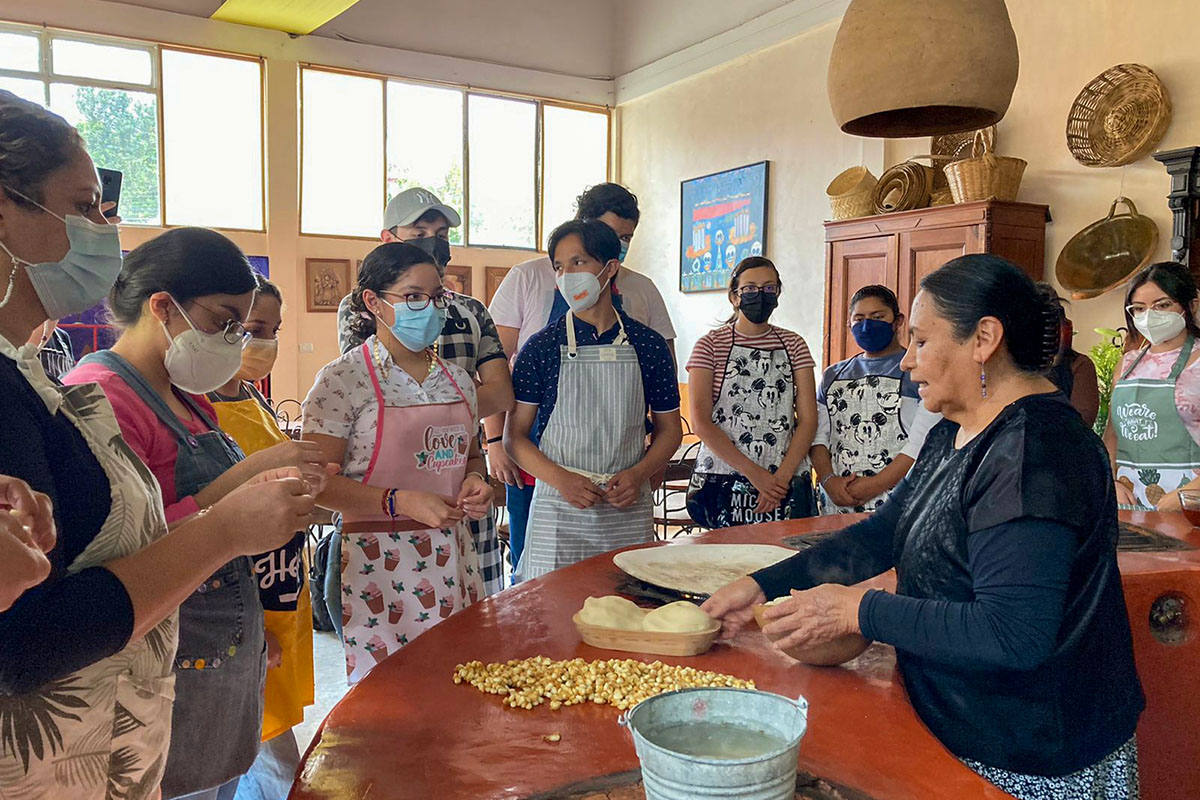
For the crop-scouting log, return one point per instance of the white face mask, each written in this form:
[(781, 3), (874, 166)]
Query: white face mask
[(1159, 326), (581, 290), (199, 362)]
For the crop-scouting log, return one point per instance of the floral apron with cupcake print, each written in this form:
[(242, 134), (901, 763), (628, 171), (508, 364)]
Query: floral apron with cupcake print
[(400, 579)]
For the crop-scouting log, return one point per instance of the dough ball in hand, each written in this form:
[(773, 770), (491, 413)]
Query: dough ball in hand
[(680, 617), (612, 611)]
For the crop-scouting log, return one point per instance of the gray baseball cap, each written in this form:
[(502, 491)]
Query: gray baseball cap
[(408, 207)]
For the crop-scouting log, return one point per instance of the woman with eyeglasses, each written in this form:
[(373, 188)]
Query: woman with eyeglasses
[(753, 404), (1153, 436), (401, 423), (181, 300), (871, 422)]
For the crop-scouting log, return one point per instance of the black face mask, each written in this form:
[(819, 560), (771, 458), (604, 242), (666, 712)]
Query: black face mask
[(437, 248), (758, 306)]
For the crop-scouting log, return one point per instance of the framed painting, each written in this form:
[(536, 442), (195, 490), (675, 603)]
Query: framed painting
[(492, 278), (326, 281), (723, 220), (457, 279)]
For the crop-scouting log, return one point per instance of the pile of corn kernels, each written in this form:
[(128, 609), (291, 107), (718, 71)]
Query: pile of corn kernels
[(620, 683)]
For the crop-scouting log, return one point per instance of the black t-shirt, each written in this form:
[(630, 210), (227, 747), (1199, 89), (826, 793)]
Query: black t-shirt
[(69, 620), (1036, 461)]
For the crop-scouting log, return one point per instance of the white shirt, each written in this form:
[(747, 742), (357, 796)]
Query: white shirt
[(526, 295)]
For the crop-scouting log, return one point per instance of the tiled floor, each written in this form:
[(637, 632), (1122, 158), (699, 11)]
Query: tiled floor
[(330, 671)]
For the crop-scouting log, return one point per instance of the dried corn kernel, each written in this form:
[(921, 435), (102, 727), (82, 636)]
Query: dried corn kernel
[(619, 683)]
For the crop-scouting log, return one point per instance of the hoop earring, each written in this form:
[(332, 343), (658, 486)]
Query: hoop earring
[(983, 381)]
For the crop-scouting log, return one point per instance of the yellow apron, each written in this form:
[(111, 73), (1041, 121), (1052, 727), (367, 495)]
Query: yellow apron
[(290, 685)]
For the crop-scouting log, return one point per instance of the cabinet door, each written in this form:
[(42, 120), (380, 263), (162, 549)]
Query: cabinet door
[(922, 252), (853, 265)]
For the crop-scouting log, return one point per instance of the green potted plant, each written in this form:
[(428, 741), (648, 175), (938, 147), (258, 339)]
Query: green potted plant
[(1106, 356)]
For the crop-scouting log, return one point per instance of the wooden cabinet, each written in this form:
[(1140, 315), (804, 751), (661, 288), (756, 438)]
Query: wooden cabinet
[(898, 250)]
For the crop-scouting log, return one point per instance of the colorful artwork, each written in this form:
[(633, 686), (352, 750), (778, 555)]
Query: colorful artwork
[(93, 330), (723, 220)]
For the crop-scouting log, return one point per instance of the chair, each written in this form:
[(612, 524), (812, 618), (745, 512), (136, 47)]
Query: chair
[(670, 498)]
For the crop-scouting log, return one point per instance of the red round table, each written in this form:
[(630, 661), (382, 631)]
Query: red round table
[(407, 731)]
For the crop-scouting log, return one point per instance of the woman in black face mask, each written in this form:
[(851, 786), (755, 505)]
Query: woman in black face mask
[(753, 405)]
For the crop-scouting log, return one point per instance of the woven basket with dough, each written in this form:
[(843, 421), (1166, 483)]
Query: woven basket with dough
[(1119, 117)]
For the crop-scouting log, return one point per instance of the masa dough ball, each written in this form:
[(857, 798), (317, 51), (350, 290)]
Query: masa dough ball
[(680, 617), (612, 611)]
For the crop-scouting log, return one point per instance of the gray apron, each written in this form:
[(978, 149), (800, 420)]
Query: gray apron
[(220, 667), (597, 429)]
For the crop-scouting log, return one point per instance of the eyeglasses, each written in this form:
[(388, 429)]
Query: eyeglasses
[(419, 301), (752, 291), (1161, 305), (233, 331)]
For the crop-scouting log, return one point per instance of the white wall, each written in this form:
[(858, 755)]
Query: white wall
[(771, 106)]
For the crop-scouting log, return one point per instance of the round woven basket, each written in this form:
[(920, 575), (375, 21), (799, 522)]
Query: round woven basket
[(850, 193), (985, 176), (903, 187), (1119, 117)]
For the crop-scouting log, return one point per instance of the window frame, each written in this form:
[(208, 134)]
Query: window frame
[(467, 92), (45, 74)]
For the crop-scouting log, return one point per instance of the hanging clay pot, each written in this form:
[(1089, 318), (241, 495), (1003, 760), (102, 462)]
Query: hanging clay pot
[(905, 68)]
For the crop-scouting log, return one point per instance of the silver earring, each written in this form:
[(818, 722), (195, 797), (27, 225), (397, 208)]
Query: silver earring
[(983, 381)]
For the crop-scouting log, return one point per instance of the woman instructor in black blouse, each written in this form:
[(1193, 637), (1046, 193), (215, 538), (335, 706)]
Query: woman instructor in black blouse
[(1008, 620), (85, 665)]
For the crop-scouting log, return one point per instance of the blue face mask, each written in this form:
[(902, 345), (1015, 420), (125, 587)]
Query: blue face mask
[(873, 335), (624, 251), (82, 278), (417, 330)]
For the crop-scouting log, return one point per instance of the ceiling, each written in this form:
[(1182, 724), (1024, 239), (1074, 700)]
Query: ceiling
[(581, 38)]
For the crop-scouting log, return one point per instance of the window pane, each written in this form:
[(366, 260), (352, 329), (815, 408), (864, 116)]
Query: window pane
[(342, 166), (501, 177), (576, 157), (28, 89), (19, 51), (424, 143), (121, 131), (100, 62), (212, 140)]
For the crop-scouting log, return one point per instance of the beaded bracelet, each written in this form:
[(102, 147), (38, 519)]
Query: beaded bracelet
[(387, 503)]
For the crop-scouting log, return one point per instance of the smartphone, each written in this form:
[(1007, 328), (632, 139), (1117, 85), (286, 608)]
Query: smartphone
[(110, 190)]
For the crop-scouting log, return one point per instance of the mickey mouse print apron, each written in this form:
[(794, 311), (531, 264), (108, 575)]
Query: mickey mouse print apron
[(756, 409), (865, 430)]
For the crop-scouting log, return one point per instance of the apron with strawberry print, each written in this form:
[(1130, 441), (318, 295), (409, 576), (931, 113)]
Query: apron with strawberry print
[(1156, 453), (400, 577)]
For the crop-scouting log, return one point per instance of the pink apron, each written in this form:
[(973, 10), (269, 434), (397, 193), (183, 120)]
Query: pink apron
[(399, 578)]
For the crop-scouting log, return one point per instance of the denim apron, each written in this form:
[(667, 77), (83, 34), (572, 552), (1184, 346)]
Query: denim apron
[(221, 663)]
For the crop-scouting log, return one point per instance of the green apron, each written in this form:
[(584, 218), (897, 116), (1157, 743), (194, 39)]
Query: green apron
[(1155, 451)]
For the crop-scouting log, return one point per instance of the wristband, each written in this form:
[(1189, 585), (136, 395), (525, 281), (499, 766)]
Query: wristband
[(825, 480), (481, 476), (495, 439)]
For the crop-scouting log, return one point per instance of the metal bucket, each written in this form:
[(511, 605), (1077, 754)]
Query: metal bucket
[(668, 775)]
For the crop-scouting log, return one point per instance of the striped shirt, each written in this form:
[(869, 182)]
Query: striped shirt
[(712, 350)]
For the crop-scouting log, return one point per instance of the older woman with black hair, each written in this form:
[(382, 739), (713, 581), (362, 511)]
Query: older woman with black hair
[(85, 668), (1008, 620)]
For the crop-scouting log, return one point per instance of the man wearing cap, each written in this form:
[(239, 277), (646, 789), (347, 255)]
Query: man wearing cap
[(469, 338), (528, 300)]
